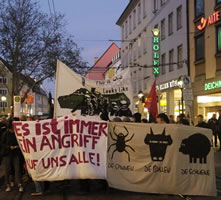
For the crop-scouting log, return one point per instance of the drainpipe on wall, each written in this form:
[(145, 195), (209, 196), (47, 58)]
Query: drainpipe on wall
[(188, 38)]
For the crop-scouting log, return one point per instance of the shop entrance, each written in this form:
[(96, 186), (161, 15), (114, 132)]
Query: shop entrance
[(208, 105)]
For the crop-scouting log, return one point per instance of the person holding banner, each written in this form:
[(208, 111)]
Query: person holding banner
[(12, 157), (162, 118)]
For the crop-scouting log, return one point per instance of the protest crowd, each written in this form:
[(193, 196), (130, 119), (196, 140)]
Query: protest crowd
[(13, 162)]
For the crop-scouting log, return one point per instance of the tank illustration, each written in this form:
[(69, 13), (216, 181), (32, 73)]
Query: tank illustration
[(95, 103), (197, 146), (158, 144)]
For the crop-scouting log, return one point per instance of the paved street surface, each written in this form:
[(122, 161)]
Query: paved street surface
[(71, 190)]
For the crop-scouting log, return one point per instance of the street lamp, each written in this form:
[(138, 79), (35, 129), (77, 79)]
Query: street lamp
[(3, 98), (140, 94)]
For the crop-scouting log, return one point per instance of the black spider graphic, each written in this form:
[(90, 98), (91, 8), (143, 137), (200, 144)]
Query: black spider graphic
[(121, 143)]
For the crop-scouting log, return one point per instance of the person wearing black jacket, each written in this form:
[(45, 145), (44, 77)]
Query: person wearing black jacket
[(201, 123), (12, 157), (219, 128), (3, 127), (213, 124)]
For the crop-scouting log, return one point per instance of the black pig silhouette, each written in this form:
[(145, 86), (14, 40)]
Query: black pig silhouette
[(158, 144), (196, 146)]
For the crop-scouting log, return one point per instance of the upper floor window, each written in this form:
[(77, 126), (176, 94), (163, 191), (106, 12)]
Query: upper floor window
[(130, 25), (179, 17), (126, 29), (218, 36), (170, 24), (3, 91), (163, 61), (139, 13), (134, 54), (3, 80), (199, 8), (162, 2), (163, 36), (171, 54), (144, 9), (218, 1), (122, 32), (199, 47), (3, 104), (130, 57), (180, 56), (144, 41), (155, 6), (134, 19), (139, 45)]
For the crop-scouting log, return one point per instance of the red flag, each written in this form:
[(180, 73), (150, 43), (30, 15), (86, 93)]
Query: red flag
[(151, 102)]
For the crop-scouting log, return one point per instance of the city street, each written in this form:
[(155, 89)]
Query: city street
[(102, 98), (70, 190)]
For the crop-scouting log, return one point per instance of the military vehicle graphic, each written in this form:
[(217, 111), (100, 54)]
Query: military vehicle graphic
[(94, 103)]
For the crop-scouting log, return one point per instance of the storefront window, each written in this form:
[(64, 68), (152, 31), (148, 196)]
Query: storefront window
[(163, 102), (178, 102)]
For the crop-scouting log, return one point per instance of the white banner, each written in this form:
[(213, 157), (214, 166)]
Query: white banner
[(106, 99), (68, 147), (166, 159)]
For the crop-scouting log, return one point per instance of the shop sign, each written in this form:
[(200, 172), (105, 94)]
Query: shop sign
[(156, 48), (211, 20), (212, 85), (171, 84)]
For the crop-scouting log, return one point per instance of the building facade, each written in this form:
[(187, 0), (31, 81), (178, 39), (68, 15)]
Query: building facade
[(5, 89), (97, 71), (170, 17), (36, 102), (205, 55), (137, 22), (115, 67)]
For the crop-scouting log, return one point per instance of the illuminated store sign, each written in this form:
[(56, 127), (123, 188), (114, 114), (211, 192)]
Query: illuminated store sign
[(171, 84), (212, 85), (156, 48), (211, 20)]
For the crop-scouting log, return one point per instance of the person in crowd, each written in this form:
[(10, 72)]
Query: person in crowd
[(11, 159), (172, 121), (162, 118), (3, 128), (201, 122), (144, 120), (219, 128), (181, 119), (23, 118), (213, 124), (137, 117), (188, 118), (39, 185), (126, 119), (117, 119)]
